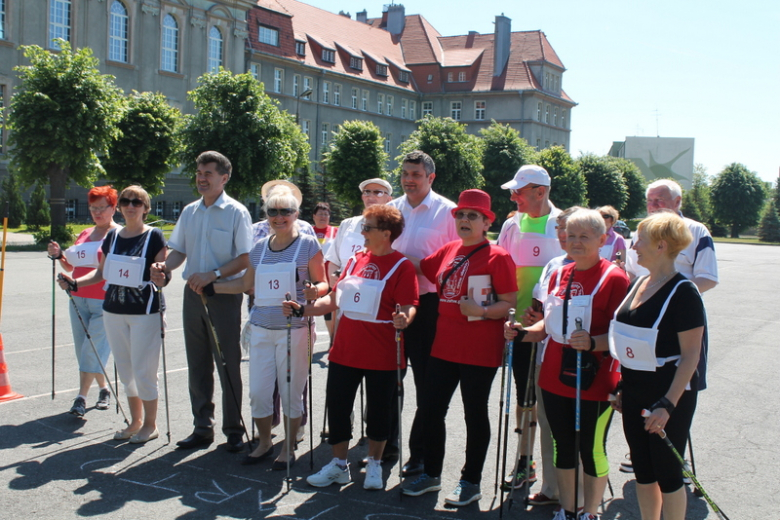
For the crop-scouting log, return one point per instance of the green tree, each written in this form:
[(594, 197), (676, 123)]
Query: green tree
[(769, 228), (605, 183), (38, 214), (458, 155), (700, 194), (355, 154), (776, 193), (635, 184), (235, 117), (62, 119), (146, 149), (503, 153), (567, 184), (689, 207), (737, 198), (11, 202)]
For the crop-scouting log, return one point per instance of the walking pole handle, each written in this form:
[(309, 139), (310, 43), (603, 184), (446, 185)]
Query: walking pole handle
[(578, 323)]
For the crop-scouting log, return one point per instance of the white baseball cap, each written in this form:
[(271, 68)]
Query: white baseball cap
[(381, 182), (528, 174)]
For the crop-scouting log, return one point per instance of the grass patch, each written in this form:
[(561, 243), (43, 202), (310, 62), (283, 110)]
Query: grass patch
[(747, 240)]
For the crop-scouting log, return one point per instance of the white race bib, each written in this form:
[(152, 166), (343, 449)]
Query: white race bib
[(84, 254), (127, 271), (534, 250)]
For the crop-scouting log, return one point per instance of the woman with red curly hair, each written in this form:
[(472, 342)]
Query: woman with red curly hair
[(82, 258)]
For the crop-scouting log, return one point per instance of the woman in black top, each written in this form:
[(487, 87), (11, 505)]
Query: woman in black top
[(131, 309), (656, 335)]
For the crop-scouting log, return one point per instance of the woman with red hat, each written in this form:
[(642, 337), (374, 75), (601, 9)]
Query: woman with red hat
[(477, 286)]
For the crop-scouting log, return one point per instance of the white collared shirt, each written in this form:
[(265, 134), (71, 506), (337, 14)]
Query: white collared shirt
[(212, 236), (347, 226), (428, 227)]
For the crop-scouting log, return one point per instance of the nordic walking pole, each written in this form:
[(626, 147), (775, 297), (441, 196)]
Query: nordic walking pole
[(222, 362), (307, 284), (287, 434), (525, 424), (400, 393), (116, 385), (71, 286), (696, 490), (165, 367), (507, 402), (577, 410), (53, 282), (362, 440), (507, 346), (687, 470)]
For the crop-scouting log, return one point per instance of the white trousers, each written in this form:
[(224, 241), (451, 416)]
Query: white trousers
[(268, 364), (135, 342)]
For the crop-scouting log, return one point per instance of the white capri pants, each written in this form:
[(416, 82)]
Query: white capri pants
[(268, 364), (135, 342)]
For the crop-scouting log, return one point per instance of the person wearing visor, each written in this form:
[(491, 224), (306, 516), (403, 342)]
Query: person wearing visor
[(476, 286)]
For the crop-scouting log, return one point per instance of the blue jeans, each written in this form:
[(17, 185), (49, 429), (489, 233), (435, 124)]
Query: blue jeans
[(91, 311)]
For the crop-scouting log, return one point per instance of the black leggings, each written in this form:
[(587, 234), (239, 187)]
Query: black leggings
[(595, 418), (441, 380), (343, 384), (523, 367)]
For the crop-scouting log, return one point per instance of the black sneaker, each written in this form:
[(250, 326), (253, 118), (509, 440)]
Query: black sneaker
[(104, 399), (79, 407)]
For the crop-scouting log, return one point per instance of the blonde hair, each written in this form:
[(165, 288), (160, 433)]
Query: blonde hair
[(281, 196), (588, 218), (669, 227), (609, 210)]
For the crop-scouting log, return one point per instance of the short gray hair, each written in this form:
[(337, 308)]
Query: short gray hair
[(674, 189), (588, 218)]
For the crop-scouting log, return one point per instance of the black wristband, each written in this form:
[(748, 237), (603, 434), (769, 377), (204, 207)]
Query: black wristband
[(663, 403), (58, 257), (298, 313), (592, 344), (208, 290)]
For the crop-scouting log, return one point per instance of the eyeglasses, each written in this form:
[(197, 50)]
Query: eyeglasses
[(285, 212), (460, 215), (531, 187), (98, 209), (605, 217), (124, 202), (367, 229), (376, 193)]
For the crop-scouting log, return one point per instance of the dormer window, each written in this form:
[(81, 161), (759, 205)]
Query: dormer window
[(461, 77), (381, 70), (403, 76), (268, 35), (356, 63), (300, 48), (328, 56)]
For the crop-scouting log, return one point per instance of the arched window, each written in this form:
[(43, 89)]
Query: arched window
[(215, 49), (118, 33), (169, 60)]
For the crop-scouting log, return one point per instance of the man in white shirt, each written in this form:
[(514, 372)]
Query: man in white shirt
[(214, 235), (428, 226)]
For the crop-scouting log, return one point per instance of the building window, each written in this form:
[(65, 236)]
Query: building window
[(59, 21), (427, 108), (413, 110), (547, 114), (547, 144), (449, 77), (159, 208), (300, 48), (215, 49), (430, 78), (538, 144), (329, 55), (380, 103), (563, 118), (278, 80), (118, 32), (364, 101), (462, 77), (455, 109), (306, 128), (255, 70), (307, 86), (389, 105), (326, 92), (381, 70), (555, 116), (539, 112), (296, 85), (325, 134), (356, 63), (404, 105), (479, 110), (337, 95), (170, 44), (268, 35), (403, 76), (388, 138), (2, 26), (354, 98), (176, 209), (547, 81)]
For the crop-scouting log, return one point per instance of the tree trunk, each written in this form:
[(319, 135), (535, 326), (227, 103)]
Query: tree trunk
[(58, 181), (734, 231)]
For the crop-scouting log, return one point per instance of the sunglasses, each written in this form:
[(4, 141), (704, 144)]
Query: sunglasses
[(285, 212), (367, 229), (531, 187), (124, 202), (460, 215), (376, 193), (605, 217)]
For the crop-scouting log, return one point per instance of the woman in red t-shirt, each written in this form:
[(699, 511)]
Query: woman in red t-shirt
[(585, 293), (371, 285), (477, 286)]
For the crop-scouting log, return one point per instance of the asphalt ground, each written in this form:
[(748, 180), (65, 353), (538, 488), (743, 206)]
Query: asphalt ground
[(56, 466)]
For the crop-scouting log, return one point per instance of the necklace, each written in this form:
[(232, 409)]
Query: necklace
[(662, 280)]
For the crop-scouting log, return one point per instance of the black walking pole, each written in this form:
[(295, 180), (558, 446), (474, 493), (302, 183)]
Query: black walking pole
[(527, 415), (308, 284), (288, 433), (165, 367), (507, 346), (400, 400), (53, 334), (507, 403), (577, 410)]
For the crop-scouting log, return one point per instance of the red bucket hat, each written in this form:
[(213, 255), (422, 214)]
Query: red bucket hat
[(477, 200)]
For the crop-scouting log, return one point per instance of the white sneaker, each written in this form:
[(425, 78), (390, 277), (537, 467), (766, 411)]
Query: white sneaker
[(373, 475), (329, 474)]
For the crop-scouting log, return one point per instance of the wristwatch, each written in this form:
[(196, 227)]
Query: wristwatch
[(217, 274)]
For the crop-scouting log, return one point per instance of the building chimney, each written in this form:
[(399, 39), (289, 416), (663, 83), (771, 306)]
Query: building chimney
[(342, 13), (396, 19), (362, 16), (501, 44)]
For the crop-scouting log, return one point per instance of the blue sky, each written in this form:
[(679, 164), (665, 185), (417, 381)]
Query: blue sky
[(703, 69)]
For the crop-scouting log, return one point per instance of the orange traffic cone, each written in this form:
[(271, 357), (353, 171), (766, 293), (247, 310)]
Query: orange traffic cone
[(6, 394)]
